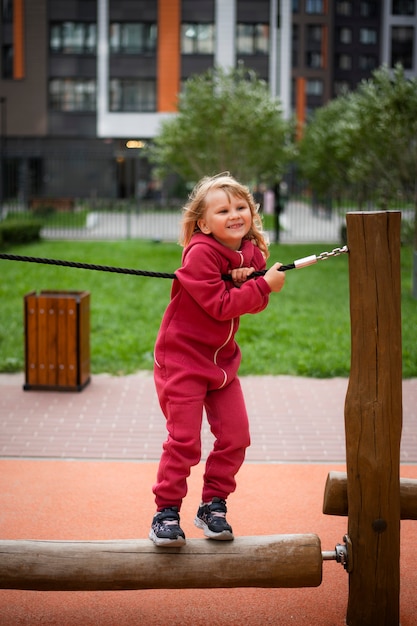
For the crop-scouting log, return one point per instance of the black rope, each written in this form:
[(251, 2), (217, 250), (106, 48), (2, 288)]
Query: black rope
[(116, 270)]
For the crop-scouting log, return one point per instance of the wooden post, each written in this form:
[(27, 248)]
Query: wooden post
[(373, 418), (264, 561)]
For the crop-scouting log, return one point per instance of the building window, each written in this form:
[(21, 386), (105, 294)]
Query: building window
[(368, 9), (7, 10), (314, 6), (344, 61), (403, 7), (252, 39), (314, 34), (197, 38), (132, 37), (402, 43), (344, 8), (72, 94), (367, 62), (295, 6), (314, 59), (128, 94), (73, 37), (295, 45), (7, 61), (345, 35), (368, 36), (314, 87)]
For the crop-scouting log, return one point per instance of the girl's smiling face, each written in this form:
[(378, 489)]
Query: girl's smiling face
[(228, 218)]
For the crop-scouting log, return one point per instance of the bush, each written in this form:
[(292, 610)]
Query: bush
[(43, 210), (18, 232)]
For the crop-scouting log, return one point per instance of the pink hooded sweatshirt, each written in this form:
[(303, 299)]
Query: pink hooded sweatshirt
[(197, 334)]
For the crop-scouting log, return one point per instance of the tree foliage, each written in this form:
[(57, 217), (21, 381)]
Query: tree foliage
[(327, 147), (364, 143), (226, 121)]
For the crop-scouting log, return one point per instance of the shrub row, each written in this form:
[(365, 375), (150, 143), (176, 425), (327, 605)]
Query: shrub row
[(18, 232)]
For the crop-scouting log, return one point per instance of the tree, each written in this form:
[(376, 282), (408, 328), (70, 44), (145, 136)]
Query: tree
[(226, 121), (388, 105), (364, 144), (326, 149)]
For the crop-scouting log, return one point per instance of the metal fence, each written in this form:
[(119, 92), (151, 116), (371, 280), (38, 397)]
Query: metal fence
[(299, 222), (36, 192)]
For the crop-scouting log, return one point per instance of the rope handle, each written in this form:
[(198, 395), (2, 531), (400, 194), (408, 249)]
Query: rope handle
[(300, 263)]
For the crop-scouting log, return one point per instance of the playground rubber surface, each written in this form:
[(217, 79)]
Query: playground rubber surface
[(59, 480)]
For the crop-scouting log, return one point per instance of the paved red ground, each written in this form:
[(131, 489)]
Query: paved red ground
[(80, 466)]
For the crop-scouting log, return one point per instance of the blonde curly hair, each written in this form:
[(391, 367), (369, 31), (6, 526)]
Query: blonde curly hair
[(193, 211)]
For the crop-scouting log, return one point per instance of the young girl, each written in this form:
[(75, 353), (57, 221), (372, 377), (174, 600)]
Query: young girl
[(197, 358)]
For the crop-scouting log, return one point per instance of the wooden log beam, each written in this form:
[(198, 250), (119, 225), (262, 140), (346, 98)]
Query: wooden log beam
[(373, 418), (262, 561), (335, 501)]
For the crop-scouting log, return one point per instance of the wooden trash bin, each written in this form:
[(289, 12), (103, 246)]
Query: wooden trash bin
[(57, 340)]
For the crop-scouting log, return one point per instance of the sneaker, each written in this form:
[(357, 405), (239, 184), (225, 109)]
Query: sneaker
[(212, 519), (165, 529)]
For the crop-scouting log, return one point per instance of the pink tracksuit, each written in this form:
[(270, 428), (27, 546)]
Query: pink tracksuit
[(196, 364)]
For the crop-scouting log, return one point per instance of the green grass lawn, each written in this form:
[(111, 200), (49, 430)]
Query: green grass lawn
[(304, 331)]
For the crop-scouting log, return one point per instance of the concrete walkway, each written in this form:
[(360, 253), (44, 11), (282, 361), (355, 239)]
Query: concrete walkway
[(293, 419)]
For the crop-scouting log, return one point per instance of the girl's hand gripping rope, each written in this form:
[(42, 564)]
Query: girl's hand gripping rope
[(275, 277), (240, 274)]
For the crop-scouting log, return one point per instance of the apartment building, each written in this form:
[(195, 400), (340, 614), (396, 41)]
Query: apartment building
[(83, 83)]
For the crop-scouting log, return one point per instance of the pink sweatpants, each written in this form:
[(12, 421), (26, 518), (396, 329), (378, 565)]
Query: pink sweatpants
[(228, 420)]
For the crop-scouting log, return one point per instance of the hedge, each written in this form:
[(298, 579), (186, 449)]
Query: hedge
[(18, 232)]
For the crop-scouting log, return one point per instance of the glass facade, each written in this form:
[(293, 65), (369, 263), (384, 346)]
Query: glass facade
[(252, 39), (403, 7), (402, 46), (132, 38), (72, 94), (129, 94), (73, 38), (197, 38)]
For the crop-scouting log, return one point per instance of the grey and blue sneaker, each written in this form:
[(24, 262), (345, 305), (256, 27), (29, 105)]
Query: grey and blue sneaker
[(165, 530), (211, 518)]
